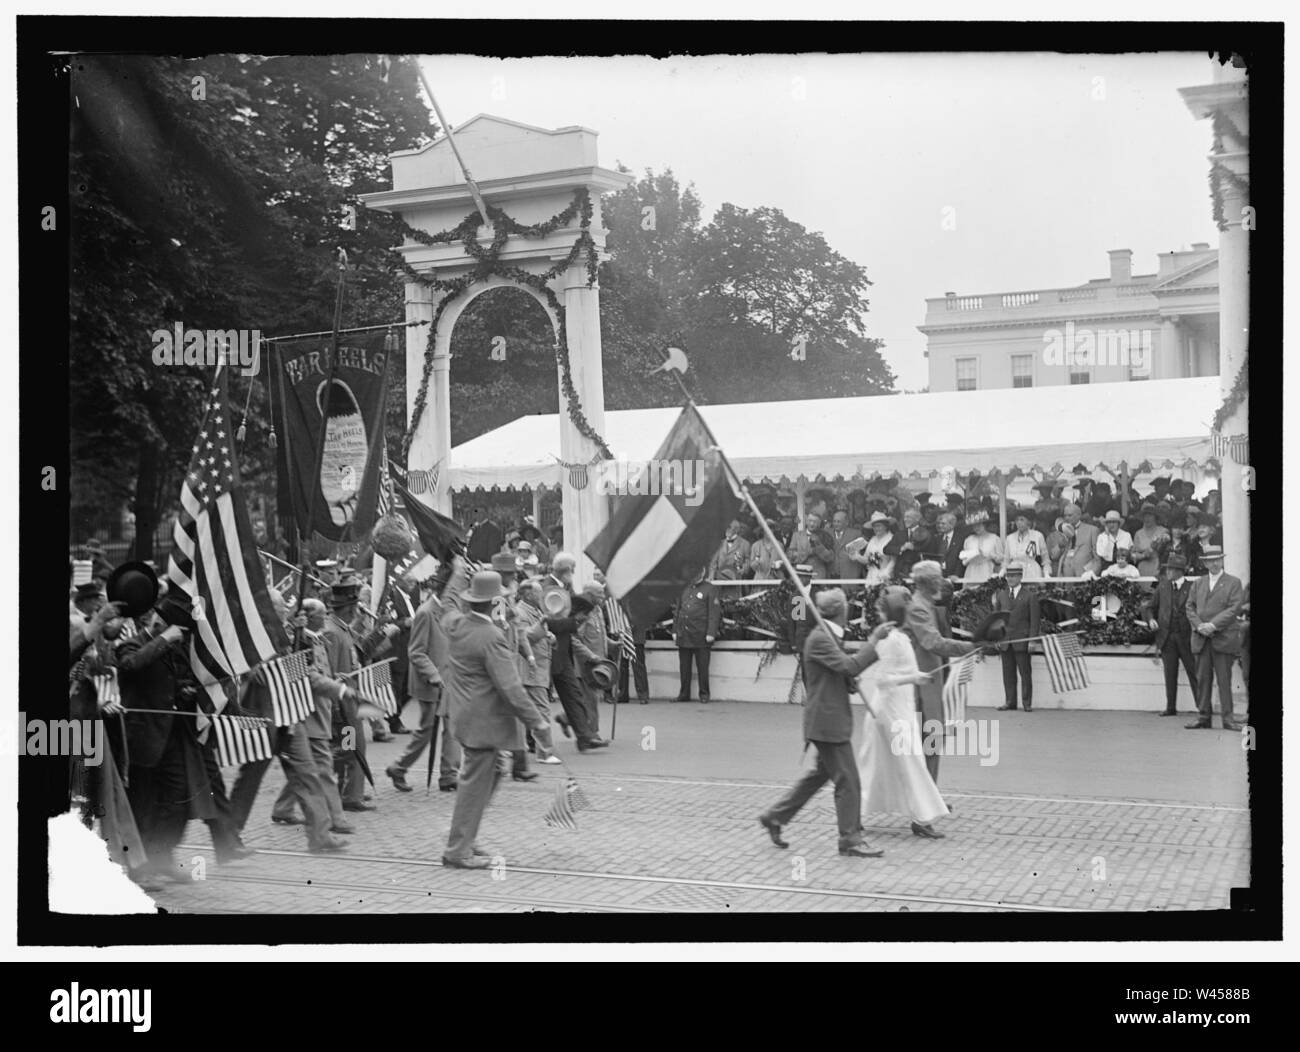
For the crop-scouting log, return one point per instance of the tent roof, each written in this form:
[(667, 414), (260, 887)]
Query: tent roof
[(1165, 422)]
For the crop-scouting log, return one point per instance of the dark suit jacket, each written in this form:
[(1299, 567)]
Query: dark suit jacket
[(948, 557), (1219, 606), (843, 565), (932, 648), (1024, 613), (151, 674), (923, 542), (489, 697), (1168, 607), (699, 614), (830, 672)]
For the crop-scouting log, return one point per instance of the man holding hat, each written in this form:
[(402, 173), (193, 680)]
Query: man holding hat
[(1021, 604), (1166, 614), (1212, 610), (490, 701)]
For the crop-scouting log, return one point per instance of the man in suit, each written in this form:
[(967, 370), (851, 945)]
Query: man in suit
[(488, 705), (917, 542), (537, 675), (557, 601), (695, 627), (427, 665), (1022, 604), (927, 627), (843, 565), (1166, 613), (731, 561), (809, 546), (485, 538), (1212, 610), (828, 727), (946, 547), (1082, 537)]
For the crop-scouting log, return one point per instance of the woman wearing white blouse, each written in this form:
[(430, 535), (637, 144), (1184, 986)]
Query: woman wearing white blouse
[(878, 552), (1030, 547), (982, 553)]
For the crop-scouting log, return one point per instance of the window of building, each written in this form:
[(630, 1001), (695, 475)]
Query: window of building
[(966, 374), (1141, 371), (1079, 375), (1022, 370)]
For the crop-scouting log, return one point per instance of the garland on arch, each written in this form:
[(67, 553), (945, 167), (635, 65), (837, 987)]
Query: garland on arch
[(1236, 395), (487, 263)]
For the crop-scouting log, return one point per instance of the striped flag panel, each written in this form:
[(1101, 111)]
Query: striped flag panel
[(376, 681), (1065, 662), (569, 798), (106, 687), (956, 690), (242, 739), (620, 627), (214, 562), (290, 688)]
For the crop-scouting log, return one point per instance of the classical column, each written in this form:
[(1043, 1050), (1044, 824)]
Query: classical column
[(1234, 322), (1169, 363), (585, 510), (431, 443)]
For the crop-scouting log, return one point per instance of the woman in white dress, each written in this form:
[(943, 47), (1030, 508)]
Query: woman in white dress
[(878, 552), (1029, 546), (982, 552), (892, 761)]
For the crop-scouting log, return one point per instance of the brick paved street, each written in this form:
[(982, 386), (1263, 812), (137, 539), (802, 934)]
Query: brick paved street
[(1083, 811)]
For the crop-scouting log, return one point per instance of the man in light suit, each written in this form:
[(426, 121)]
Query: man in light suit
[(843, 565), (1212, 610), (427, 656), (488, 702), (828, 727), (1081, 555), (808, 546), (1022, 603), (1166, 613)]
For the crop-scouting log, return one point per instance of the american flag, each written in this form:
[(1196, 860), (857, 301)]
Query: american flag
[(568, 799), (290, 688), (376, 681), (106, 687), (242, 739), (214, 561), (957, 690), (1065, 662), (621, 627)]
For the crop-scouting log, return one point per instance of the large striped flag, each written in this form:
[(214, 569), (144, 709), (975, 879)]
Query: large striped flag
[(957, 690), (669, 525), (289, 685), (1065, 663), (214, 561), (620, 627), (242, 739), (376, 682)]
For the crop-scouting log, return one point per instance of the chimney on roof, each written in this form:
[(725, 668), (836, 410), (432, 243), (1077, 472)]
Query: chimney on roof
[(1121, 265), (950, 295), (1200, 246)]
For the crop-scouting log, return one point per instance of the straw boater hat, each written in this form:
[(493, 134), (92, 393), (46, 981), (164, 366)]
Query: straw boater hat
[(1211, 551), (1114, 516)]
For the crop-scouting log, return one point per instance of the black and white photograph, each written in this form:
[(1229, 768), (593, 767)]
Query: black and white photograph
[(792, 479)]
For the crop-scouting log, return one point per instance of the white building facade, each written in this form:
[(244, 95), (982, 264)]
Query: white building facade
[(1120, 328)]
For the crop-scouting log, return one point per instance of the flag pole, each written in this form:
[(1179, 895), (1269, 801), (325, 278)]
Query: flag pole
[(446, 128), (320, 438), (738, 483)]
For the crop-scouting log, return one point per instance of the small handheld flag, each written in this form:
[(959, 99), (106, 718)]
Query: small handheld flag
[(1065, 662), (106, 688), (290, 688), (568, 799), (376, 681), (242, 739), (957, 690)]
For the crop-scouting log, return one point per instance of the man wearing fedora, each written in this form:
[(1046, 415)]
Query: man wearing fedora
[(828, 728), (1021, 604), (490, 702), (1212, 611), (506, 615), (1166, 614), (557, 602)]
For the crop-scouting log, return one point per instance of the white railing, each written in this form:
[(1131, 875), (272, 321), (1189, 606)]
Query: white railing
[(1019, 299)]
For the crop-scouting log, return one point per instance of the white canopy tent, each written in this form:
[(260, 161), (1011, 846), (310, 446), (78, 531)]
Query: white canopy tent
[(1161, 423)]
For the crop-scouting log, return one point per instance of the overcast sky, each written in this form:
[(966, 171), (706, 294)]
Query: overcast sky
[(1048, 160)]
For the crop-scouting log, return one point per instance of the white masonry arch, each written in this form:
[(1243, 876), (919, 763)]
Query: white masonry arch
[(532, 174)]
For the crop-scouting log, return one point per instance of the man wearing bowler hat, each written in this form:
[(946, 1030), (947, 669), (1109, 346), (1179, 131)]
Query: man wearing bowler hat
[(1212, 610), (1166, 614), (489, 702)]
